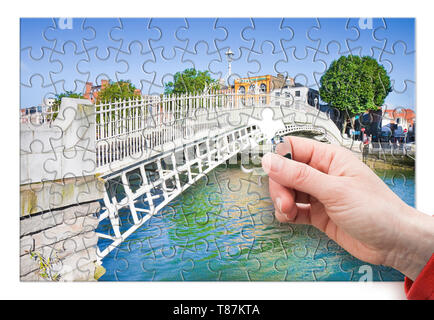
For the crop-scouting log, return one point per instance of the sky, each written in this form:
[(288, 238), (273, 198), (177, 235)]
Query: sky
[(58, 55)]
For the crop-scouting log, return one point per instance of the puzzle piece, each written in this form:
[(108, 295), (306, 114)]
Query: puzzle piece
[(42, 66), (233, 38), (327, 30), (64, 30), (304, 71), (366, 42), (101, 41), (72, 79), (248, 66), (133, 30), (400, 73), (164, 72), (258, 33), (108, 67), (167, 42), (135, 58), (393, 30), (200, 30)]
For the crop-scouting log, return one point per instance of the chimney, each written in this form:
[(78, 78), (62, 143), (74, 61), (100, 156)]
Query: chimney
[(88, 89), (104, 83)]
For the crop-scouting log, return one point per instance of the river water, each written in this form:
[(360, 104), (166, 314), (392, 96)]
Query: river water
[(223, 228)]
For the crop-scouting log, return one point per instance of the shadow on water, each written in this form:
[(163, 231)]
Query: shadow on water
[(223, 228)]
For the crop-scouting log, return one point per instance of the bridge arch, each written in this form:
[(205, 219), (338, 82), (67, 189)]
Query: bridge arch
[(177, 139)]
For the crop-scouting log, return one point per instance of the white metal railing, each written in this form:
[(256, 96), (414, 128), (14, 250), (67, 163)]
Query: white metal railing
[(130, 127), (133, 126), (180, 168)]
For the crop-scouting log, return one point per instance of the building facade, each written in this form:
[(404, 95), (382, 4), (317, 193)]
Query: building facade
[(398, 124), (91, 91), (250, 89), (273, 87), (300, 93), (261, 84)]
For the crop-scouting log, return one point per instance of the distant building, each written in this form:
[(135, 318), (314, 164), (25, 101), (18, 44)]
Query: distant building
[(91, 91), (260, 84), (273, 87), (298, 92), (398, 124), (34, 115)]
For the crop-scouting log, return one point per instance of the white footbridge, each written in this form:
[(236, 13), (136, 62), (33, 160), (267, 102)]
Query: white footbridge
[(149, 150)]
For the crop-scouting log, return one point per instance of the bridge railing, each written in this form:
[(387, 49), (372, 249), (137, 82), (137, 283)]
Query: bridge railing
[(133, 126), (128, 127)]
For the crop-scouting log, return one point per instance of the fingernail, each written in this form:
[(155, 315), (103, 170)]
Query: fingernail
[(279, 204), (272, 162)]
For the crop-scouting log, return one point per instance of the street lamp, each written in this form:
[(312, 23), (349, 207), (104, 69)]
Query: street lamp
[(229, 54)]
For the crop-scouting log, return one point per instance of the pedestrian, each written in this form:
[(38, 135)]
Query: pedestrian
[(365, 152)]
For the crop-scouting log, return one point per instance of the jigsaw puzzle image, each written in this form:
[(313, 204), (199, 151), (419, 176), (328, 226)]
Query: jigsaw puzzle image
[(142, 140)]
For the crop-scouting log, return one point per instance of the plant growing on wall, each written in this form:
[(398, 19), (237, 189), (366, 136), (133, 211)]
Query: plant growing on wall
[(46, 266)]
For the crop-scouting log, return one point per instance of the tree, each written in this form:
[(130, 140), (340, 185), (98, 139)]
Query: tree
[(120, 90), (354, 85), (190, 80), (67, 94)]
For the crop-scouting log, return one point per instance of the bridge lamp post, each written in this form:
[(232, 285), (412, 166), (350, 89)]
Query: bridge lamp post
[(229, 54)]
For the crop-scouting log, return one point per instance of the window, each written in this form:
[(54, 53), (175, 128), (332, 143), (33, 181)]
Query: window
[(263, 88), (297, 93), (252, 88), (277, 94), (242, 91), (288, 99)]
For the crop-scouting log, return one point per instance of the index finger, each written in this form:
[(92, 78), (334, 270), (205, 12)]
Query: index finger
[(314, 153)]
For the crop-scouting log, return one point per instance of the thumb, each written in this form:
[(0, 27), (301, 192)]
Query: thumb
[(297, 175)]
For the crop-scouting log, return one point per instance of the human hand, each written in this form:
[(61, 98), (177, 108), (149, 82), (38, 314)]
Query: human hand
[(328, 187)]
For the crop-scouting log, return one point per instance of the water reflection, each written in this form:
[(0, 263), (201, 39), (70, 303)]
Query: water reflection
[(223, 228)]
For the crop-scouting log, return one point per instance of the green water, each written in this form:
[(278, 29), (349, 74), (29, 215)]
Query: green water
[(223, 228)]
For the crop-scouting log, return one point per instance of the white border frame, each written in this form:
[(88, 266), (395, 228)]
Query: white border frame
[(9, 268)]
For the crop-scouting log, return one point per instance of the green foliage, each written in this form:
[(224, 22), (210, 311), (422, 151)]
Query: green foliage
[(67, 94), (120, 90), (45, 266), (355, 85), (190, 80)]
